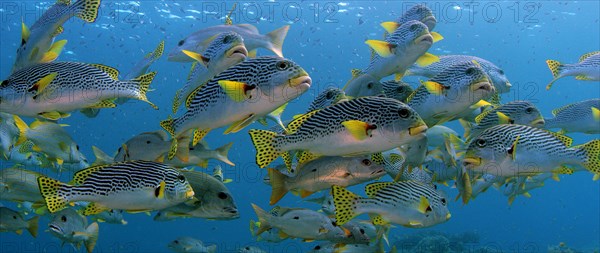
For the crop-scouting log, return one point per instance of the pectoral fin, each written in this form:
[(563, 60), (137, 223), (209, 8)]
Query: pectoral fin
[(237, 91)]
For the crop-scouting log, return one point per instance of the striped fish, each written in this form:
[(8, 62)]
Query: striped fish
[(224, 51), (516, 150), (397, 90), (326, 98), (133, 186), (407, 45), (407, 203), (37, 42), (581, 117), (238, 96), (355, 127), (8, 133), (450, 93), (516, 112), (588, 68), (496, 74), (419, 12), (51, 90), (197, 41)]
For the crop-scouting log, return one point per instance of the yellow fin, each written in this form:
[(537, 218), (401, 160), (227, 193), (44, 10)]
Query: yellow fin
[(108, 103), (240, 124), (110, 71), (344, 202), (93, 208), (382, 48), (358, 129), (563, 138), (424, 205), (51, 191), (398, 77), (372, 189), (199, 135), (436, 36), (25, 33), (54, 51), (43, 83), (293, 126), (53, 115), (427, 59), (434, 88), (555, 68), (513, 148), (596, 113), (278, 187), (480, 104), (592, 155), (237, 91), (82, 175), (159, 192), (503, 119), (390, 26), (264, 142), (196, 56), (585, 56), (252, 53)]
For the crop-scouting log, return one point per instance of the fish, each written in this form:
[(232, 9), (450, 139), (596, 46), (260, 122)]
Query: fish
[(326, 202), (327, 97), (435, 135), (37, 42), (52, 90), (189, 244), (587, 69), (363, 84), (516, 112), (238, 96), (397, 90), (53, 140), (495, 73), (224, 50), (580, 117), (212, 200), (150, 146), (355, 127), (515, 150), (407, 203), (72, 227), (9, 133), (523, 185), (132, 186), (199, 155), (322, 173), (197, 41), (12, 221), (405, 46), (329, 247), (419, 12), (457, 89), (24, 155), (112, 216), (269, 235), (251, 249), (19, 184), (482, 183), (299, 223)]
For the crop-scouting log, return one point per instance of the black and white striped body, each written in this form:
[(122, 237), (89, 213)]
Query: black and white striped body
[(576, 117)]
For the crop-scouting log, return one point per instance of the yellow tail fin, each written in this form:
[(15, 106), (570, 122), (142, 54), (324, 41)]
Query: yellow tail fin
[(345, 204), (276, 38), (144, 82), (23, 127), (90, 10), (555, 68), (592, 156), (54, 195), (264, 143)]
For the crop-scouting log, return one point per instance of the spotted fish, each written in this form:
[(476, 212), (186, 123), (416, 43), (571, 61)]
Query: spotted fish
[(197, 41), (51, 90), (450, 93), (37, 42), (588, 68), (224, 51), (407, 203), (132, 186), (516, 112), (516, 150), (582, 117), (355, 127), (495, 73), (238, 96)]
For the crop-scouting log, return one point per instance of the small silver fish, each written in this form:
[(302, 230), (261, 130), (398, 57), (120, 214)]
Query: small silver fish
[(188, 244), (72, 227), (12, 221)]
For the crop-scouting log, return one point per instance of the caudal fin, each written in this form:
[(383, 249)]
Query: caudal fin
[(555, 67), (53, 192), (278, 189), (264, 143), (591, 152), (92, 231), (32, 226), (222, 154), (101, 157), (144, 82), (276, 38), (263, 218), (88, 10), (345, 204)]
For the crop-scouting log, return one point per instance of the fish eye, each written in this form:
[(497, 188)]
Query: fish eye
[(362, 231), (176, 242), (247, 248), (404, 113), (63, 218), (148, 142), (501, 72), (400, 89), (296, 218), (529, 110), (370, 85), (222, 195), (414, 27), (5, 82), (444, 201), (191, 148), (334, 223), (77, 147), (181, 178), (317, 247), (366, 162), (470, 71), (282, 65), (119, 150), (14, 217), (480, 142), (329, 95), (227, 39), (181, 42)]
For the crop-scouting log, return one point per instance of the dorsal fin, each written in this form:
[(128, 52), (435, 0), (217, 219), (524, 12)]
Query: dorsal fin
[(585, 56), (480, 117), (293, 126), (414, 93), (563, 138), (112, 72), (560, 109), (372, 189), (188, 100), (80, 176)]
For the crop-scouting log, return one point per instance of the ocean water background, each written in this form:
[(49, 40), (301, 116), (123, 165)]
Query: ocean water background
[(327, 39)]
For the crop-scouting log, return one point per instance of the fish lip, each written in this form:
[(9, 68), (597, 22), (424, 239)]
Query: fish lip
[(429, 18), (538, 122), (417, 130), (470, 162), (303, 80), (448, 216), (508, 84), (424, 38), (485, 84), (237, 50), (55, 228), (189, 194)]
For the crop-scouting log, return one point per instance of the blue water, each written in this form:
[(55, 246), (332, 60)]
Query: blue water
[(326, 38)]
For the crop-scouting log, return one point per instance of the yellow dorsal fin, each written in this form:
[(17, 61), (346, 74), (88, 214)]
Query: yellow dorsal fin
[(436, 36), (54, 51), (293, 126), (481, 116), (427, 59), (563, 138), (585, 56), (80, 176), (112, 72), (382, 48), (372, 189), (237, 91), (228, 20), (596, 113), (390, 26), (25, 33), (356, 73)]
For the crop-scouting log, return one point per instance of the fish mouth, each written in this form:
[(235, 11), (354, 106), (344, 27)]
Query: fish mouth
[(55, 229), (240, 51), (483, 84), (302, 81), (538, 122), (471, 162), (430, 19), (508, 84), (417, 130), (189, 194), (448, 216), (425, 38)]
